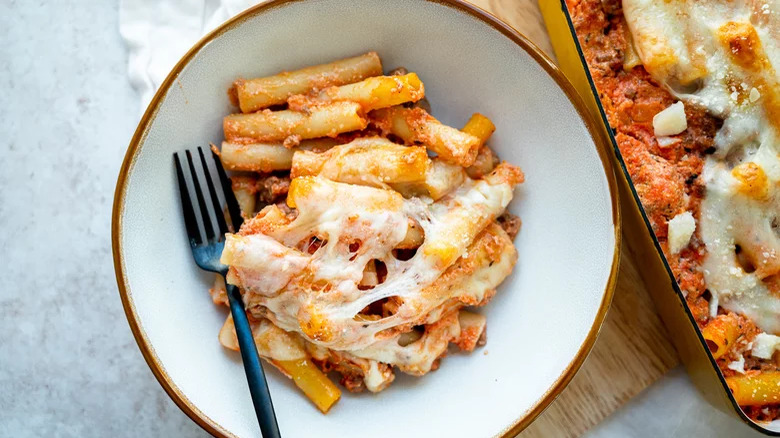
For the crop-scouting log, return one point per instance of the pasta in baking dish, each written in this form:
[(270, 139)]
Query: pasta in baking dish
[(693, 92), (369, 226)]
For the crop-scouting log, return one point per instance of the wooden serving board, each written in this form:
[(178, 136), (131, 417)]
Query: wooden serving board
[(632, 350)]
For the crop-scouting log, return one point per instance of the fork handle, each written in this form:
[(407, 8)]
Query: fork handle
[(258, 387)]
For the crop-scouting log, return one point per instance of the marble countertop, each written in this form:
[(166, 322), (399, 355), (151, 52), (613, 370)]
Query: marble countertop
[(69, 366)]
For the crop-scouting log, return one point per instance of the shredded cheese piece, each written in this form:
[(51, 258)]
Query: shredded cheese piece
[(765, 345), (737, 365), (670, 121), (681, 228)]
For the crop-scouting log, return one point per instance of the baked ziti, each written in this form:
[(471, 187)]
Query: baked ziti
[(371, 228)]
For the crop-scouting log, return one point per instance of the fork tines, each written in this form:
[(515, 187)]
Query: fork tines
[(213, 232)]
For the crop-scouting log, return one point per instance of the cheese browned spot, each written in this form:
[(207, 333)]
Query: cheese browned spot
[(752, 180)]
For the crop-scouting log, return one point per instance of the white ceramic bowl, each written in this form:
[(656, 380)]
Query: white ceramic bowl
[(545, 316)]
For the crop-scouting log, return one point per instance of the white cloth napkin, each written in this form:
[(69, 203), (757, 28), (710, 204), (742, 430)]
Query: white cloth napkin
[(158, 32)]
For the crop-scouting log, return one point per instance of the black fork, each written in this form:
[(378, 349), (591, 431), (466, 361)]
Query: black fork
[(207, 249)]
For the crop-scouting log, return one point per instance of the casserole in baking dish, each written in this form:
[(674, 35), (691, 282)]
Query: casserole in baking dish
[(690, 93)]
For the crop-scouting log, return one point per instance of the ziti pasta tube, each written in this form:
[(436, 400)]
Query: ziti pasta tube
[(447, 243), (440, 179), (480, 127), (416, 126), (472, 326), (327, 120), (256, 94), (310, 193), (414, 236), (267, 157), (286, 352), (756, 389), (378, 92), (372, 161), (473, 277), (245, 189), (313, 382), (484, 164), (721, 333)]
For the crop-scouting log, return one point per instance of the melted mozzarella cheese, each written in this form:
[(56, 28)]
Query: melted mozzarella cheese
[(724, 56), (260, 263), (317, 295), (492, 256), (416, 358)]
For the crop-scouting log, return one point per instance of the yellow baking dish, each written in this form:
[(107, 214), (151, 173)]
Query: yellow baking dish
[(641, 240)]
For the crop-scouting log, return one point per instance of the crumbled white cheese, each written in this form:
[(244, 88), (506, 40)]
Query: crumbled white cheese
[(737, 365), (670, 121), (681, 228), (754, 95), (667, 141), (714, 302), (764, 345)]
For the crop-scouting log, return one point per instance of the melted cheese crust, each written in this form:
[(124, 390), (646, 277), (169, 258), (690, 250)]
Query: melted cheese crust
[(317, 293), (724, 56)]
